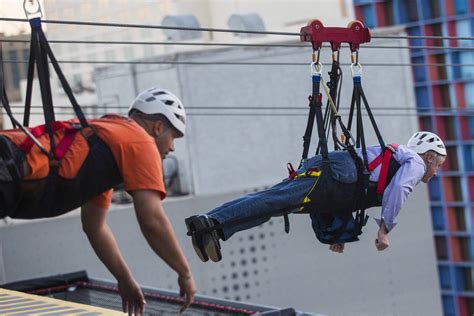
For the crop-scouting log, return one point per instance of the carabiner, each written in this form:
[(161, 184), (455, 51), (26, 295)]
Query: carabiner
[(355, 57), (335, 55), (32, 9), (316, 60), (356, 70), (316, 69)]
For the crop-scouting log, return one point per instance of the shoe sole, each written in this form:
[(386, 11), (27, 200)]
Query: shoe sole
[(193, 225), (211, 243)]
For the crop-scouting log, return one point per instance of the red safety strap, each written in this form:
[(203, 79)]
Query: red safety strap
[(64, 143), (291, 171), (384, 159)]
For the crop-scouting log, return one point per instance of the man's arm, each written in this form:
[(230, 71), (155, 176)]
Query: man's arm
[(160, 235), (103, 242), (395, 195)]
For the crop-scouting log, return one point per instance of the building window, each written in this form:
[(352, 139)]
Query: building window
[(469, 94), (451, 163), (419, 72), (435, 189), (470, 305), (408, 11), (468, 153), (441, 248), (465, 248), (449, 126), (460, 218), (463, 29), (415, 31), (369, 15), (444, 277), (448, 306), (430, 8), (461, 6), (437, 215), (426, 123), (422, 98), (466, 58), (452, 189), (464, 279)]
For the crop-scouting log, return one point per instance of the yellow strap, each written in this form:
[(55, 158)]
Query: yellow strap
[(306, 199)]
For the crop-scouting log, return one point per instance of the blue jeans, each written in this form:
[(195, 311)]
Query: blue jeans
[(259, 207)]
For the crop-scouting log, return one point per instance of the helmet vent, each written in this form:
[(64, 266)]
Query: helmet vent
[(179, 117), (423, 136), (150, 99), (159, 93), (169, 102)]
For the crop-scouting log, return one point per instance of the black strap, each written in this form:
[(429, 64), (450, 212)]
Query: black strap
[(334, 85), (311, 117), (287, 222), (40, 58), (29, 87), (9, 160)]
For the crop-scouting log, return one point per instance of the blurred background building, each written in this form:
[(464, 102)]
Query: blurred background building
[(444, 99)]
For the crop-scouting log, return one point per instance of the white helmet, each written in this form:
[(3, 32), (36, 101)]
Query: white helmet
[(159, 101), (422, 142)]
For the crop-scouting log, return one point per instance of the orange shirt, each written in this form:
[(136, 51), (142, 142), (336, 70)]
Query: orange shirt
[(135, 153)]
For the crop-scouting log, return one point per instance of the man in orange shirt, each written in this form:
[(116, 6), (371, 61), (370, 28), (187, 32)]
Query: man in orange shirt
[(86, 163)]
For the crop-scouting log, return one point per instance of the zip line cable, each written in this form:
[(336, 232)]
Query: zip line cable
[(299, 108), (218, 30), (238, 63), (427, 114), (92, 42)]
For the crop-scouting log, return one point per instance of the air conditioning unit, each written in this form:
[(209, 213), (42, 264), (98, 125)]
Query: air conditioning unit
[(246, 22), (182, 20)]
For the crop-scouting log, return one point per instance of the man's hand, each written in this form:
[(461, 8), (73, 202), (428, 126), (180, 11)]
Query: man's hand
[(102, 240), (382, 242), (337, 248), (133, 301), (187, 289)]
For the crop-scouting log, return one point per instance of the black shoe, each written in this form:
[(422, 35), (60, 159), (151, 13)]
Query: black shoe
[(205, 244), (197, 245)]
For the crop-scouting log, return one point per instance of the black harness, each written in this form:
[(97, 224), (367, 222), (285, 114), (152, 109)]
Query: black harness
[(52, 195)]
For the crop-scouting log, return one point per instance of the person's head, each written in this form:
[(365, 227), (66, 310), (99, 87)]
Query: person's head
[(162, 116), (431, 149)]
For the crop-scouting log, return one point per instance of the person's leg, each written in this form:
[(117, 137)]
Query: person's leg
[(257, 208), (244, 213)]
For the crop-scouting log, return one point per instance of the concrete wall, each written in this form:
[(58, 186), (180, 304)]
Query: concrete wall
[(263, 265)]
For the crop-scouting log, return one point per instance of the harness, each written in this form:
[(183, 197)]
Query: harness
[(53, 195), (346, 223), (338, 227)]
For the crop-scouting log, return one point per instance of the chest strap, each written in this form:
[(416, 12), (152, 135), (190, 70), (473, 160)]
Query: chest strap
[(64, 143), (384, 159)]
